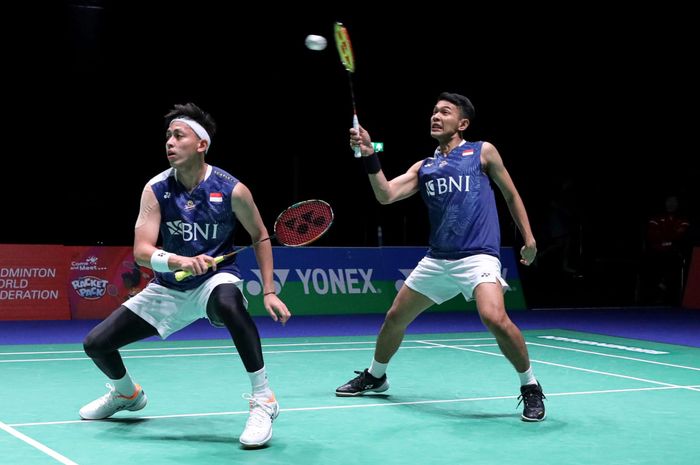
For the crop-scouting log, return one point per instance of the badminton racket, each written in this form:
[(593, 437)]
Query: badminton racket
[(347, 58), (298, 225)]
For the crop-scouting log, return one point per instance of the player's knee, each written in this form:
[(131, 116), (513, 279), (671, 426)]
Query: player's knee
[(495, 321), (226, 305), (395, 320), (226, 295), (95, 346)]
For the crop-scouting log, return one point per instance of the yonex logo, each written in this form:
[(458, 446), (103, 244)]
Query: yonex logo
[(322, 281), (304, 221), (398, 284), (255, 287)]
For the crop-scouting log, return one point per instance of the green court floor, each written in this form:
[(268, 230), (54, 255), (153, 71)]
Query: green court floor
[(452, 400)]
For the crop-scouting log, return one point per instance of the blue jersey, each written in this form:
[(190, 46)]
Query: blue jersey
[(461, 204), (197, 222)]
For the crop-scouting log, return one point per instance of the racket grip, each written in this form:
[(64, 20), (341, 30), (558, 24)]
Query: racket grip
[(182, 274), (356, 126)]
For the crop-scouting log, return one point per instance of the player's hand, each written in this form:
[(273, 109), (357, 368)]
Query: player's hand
[(276, 308), (196, 265), (528, 253), (361, 139)]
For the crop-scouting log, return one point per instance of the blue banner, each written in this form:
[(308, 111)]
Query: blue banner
[(332, 280)]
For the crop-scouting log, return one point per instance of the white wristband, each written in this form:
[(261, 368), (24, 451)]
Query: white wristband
[(159, 261)]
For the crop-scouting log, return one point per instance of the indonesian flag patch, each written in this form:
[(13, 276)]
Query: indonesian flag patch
[(216, 197), (467, 152)]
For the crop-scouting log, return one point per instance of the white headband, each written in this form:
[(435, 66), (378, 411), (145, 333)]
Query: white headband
[(196, 127)]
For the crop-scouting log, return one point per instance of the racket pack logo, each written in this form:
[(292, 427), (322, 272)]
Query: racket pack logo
[(90, 287)]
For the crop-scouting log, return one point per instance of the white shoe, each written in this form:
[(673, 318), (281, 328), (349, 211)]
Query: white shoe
[(113, 402), (258, 428)]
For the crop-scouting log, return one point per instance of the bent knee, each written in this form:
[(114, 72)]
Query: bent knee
[(396, 319), (495, 320), (95, 346)]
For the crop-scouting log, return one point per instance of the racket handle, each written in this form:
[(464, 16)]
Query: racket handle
[(356, 126), (182, 274)]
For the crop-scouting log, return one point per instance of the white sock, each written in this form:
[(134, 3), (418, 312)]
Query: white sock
[(125, 385), (258, 380), (377, 369), (527, 377)]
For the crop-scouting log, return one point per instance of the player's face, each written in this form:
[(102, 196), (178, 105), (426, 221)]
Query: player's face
[(446, 120), (181, 145)]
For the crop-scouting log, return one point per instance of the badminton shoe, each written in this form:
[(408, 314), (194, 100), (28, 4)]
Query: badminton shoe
[(531, 396), (113, 402), (364, 382), (258, 428)]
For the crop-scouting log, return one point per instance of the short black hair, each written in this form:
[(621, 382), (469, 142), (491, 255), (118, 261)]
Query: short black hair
[(460, 101), (192, 111)]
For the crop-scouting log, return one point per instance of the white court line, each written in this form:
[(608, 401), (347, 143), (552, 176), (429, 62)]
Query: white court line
[(310, 344), (570, 367), (354, 406), (673, 365), (590, 352), (295, 344), (225, 354), (37, 445)]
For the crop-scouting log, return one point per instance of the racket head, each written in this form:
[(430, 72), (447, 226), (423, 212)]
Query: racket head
[(342, 42), (303, 223)]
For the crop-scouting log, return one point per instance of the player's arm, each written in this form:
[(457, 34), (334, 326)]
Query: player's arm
[(385, 191), (146, 238), (147, 228), (248, 215), (492, 164), (402, 186)]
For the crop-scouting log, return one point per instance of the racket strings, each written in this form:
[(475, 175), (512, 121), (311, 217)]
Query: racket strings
[(303, 223)]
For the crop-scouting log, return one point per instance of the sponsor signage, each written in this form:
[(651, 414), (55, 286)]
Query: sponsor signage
[(33, 282), (328, 280)]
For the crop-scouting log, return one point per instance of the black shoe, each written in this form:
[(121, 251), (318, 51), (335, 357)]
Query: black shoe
[(532, 396), (361, 384)]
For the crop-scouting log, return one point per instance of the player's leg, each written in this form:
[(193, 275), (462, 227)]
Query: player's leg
[(226, 301), (492, 311), (102, 345), (407, 305), (491, 307)]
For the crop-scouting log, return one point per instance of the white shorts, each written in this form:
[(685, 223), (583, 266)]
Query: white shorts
[(169, 310), (440, 280)]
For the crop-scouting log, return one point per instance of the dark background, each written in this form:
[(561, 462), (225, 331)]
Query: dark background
[(604, 103)]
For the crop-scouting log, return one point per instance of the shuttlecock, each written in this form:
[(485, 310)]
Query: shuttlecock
[(314, 42)]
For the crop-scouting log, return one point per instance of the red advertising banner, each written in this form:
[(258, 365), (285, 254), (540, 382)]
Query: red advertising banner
[(33, 282), (691, 299), (101, 278)]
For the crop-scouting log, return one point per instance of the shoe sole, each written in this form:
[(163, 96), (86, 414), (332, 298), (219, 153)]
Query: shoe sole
[(132, 408), (381, 388), (533, 420), (256, 445)]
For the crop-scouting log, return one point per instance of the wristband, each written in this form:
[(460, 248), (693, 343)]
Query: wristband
[(159, 261), (268, 293), (372, 165)]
